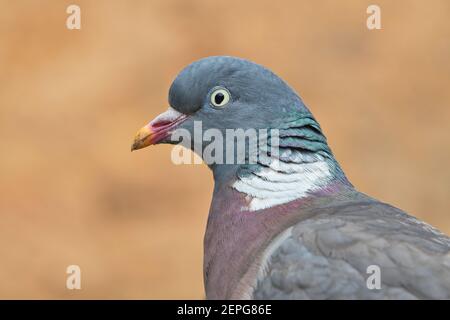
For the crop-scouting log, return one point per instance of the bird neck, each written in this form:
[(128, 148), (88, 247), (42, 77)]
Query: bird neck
[(237, 239), (253, 204), (303, 164)]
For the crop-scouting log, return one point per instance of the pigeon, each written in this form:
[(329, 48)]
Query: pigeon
[(289, 224)]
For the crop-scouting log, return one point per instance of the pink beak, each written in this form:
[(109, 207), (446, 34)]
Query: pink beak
[(158, 129)]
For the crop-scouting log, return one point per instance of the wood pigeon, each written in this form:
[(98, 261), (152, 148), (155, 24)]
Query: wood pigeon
[(290, 225)]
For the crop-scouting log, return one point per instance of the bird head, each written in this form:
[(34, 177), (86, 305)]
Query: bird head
[(223, 93)]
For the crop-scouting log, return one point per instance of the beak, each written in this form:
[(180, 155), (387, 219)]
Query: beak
[(158, 129)]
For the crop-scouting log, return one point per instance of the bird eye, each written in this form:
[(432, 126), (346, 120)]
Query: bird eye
[(220, 97)]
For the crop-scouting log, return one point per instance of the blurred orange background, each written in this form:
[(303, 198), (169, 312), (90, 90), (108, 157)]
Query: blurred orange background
[(71, 100)]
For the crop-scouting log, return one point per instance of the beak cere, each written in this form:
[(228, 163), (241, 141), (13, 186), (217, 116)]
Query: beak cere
[(158, 129)]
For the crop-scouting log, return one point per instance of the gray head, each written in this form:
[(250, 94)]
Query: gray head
[(228, 92), (252, 89), (232, 93)]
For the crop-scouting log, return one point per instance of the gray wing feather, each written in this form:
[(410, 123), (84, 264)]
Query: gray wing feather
[(326, 257)]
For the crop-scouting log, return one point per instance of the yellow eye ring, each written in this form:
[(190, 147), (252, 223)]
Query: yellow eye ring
[(220, 97)]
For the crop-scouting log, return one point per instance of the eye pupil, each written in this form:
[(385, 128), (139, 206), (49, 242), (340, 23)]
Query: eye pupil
[(219, 97)]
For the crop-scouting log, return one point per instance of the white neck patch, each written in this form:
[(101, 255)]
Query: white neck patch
[(282, 182)]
